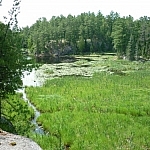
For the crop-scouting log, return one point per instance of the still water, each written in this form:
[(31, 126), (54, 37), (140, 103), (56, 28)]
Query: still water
[(31, 79), (34, 79)]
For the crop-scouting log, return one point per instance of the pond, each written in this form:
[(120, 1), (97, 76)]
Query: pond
[(79, 66), (31, 79), (51, 60)]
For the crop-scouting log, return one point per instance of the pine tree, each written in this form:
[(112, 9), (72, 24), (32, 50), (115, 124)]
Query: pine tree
[(130, 52), (12, 59), (117, 36)]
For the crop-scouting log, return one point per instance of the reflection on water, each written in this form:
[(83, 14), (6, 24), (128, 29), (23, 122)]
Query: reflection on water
[(31, 78), (47, 60), (51, 60)]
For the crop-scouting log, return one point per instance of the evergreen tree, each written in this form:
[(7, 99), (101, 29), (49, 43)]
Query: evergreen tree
[(12, 59), (130, 49), (118, 36), (99, 34)]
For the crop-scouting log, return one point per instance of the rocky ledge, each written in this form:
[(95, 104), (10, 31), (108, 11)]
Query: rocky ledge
[(10, 141)]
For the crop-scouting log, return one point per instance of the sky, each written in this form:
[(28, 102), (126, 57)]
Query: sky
[(32, 10)]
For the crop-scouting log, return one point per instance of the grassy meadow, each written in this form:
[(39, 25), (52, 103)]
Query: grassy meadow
[(109, 111)]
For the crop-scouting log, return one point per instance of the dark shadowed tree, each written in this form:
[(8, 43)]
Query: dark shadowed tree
[(13, 61), (130, 52)]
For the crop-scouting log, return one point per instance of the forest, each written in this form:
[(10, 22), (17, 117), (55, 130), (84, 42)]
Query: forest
[(89, 33), (98, 101)]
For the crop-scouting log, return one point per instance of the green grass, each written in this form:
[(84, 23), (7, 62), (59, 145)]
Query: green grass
[(106, 112), (18, 114)]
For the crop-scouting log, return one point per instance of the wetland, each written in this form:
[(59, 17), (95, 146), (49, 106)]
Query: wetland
[(95, 102)]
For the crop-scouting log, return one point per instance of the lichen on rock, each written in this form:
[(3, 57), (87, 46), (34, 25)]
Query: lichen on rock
[(10, 141)]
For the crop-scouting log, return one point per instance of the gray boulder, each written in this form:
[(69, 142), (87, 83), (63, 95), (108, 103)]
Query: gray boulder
[(10, 141)]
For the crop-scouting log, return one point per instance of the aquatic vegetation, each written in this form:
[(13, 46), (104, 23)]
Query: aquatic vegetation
[(48, 71), (106, 111)]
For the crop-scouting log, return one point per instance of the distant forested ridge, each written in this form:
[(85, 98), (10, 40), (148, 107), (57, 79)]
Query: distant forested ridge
[(89, 33)]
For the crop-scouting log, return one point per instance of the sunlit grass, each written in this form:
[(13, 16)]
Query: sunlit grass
[(18, 115), (108, 111)]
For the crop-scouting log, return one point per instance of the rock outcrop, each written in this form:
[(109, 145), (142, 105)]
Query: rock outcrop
[(10, 141)]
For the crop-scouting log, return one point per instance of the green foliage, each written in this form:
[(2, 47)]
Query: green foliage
[(89, 33), (130, 49), (81, 45), (144, 37), (13, 62), (103, 112), (71, 30), (118, 35), (18, 114)]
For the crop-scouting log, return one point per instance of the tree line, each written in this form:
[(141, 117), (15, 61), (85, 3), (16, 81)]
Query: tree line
[(89, 33)]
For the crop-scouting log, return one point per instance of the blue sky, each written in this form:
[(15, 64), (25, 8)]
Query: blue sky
[(31, 10)]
